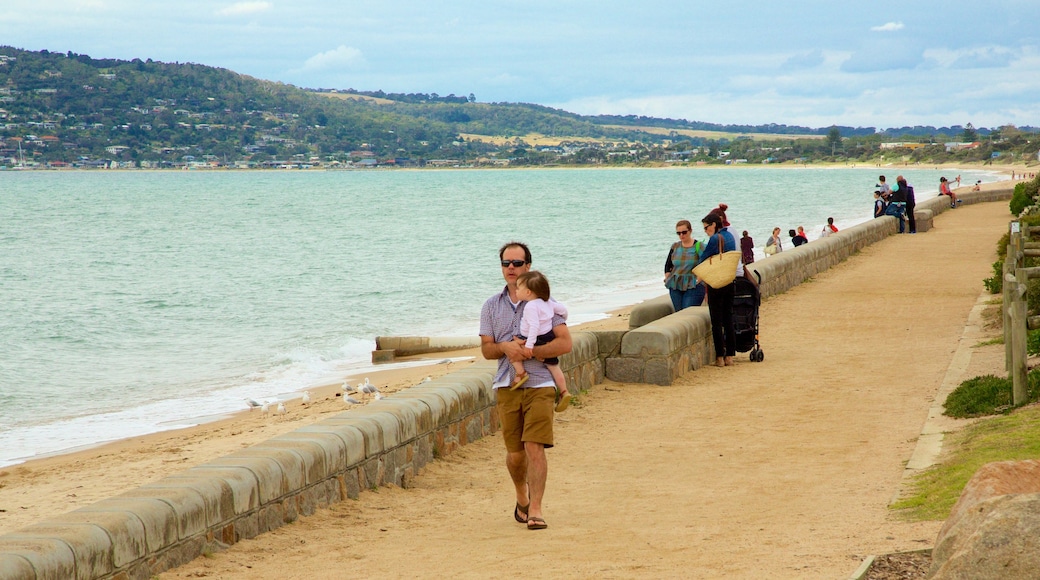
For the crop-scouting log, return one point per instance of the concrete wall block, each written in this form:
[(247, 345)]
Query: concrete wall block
[(654, 339), (351, 482), (188, 505), (179, 554), (452, 399), (415, 415), (139, 571), (49, 558), (124, 529), (388, 472), (267, 471), (650, 310), (659, 371), (217, 494), (352, 437), (372, 429), (159, 519), (291, 472), (371, 438), (15, 566), (423, 452), (91, 546), (370, 474), (333, 447), (270, 517), (247, 526), (474, 430), (625, 369), (309, 499), (609, 342), (311, 453), (404, 419), (245, 489), (436, 407)]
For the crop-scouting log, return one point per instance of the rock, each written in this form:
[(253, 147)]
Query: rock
[(994, 530)]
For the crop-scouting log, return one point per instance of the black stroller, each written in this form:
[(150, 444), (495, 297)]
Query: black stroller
[(746, 299)]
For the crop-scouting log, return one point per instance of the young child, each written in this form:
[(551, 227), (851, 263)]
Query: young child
[(536, 329)]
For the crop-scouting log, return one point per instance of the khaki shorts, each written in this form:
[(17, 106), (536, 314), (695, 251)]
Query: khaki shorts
[(526, 416)]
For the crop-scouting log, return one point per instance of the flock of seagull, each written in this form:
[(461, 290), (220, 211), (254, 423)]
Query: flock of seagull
[(361, 390)]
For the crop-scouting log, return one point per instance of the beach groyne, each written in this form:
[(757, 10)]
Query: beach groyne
[(174, 520)]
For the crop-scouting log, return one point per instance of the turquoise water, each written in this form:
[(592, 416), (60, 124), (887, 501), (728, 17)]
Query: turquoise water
[(132, 302)]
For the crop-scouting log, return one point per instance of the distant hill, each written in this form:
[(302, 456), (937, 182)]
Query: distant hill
[(67, 108)]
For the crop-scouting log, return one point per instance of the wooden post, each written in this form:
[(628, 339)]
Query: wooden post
[(1005, 309), (1019, 332)]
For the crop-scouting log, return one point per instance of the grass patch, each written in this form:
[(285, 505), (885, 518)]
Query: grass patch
[(1014, 436), (990, 342)]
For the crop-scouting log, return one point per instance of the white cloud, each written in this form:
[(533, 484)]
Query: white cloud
[(888, 27), (245, 8), (339, 58)]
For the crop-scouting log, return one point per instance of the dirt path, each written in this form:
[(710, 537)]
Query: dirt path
[(781, 469)]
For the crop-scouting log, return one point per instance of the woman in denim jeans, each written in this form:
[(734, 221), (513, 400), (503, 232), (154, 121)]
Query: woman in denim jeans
[(683, 287)]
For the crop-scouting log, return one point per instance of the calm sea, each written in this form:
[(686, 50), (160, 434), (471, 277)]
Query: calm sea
[(133, 302)]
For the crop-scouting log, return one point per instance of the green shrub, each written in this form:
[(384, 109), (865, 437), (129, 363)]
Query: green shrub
[(987, 395), (979, 396), (995, 285), (1020, 199)]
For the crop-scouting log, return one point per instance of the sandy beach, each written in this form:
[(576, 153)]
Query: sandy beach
[(778, 469)]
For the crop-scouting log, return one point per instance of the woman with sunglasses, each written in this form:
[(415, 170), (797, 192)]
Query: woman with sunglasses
[(683, 287), (720, 300)]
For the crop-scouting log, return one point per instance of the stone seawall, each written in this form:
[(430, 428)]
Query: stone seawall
[(174, 520)]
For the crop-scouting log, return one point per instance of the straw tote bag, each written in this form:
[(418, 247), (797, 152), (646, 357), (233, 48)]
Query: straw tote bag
[(719, 270)]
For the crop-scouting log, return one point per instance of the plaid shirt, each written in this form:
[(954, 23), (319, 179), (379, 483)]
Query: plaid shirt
[(500, 320)]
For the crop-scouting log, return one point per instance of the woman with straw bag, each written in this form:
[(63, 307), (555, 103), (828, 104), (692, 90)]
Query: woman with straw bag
[(718, 268)]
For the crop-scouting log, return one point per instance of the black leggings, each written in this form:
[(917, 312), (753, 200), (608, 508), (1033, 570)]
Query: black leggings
[(720, 307)]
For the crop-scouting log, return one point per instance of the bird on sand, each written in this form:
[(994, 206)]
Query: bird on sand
[(351, 400), (379, 395), (368, 388), (281, 409), (306, 399), (427, 379), (349, 388), (253, 404), (265, 409)]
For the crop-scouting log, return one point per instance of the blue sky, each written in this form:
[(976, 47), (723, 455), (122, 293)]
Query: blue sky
[(815, 63)]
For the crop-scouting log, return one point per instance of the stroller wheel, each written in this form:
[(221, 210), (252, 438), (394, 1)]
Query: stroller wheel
[(761, 356), (754, 355)]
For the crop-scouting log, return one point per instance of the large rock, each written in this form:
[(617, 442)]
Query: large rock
[(994, 530)]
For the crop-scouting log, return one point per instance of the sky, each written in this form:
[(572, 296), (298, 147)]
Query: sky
[(814, 63)]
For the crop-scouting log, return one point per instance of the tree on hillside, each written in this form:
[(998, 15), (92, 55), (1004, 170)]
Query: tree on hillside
[(834, 139), (970, 135)]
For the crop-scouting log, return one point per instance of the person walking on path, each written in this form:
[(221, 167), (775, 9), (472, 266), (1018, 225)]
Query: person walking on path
[(720, 300), (526, 414), (684, 288)]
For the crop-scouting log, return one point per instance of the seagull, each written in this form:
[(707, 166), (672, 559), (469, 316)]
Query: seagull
[(427, 379), (351, 400), (368, 388), (348, 388), (281, 409), (306, 398), (265, 408), (252, 404), (379, 395)]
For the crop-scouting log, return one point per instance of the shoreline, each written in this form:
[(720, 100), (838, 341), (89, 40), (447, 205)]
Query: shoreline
[(24, 499)]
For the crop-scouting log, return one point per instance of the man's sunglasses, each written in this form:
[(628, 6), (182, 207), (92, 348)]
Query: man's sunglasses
[(513, 263)]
